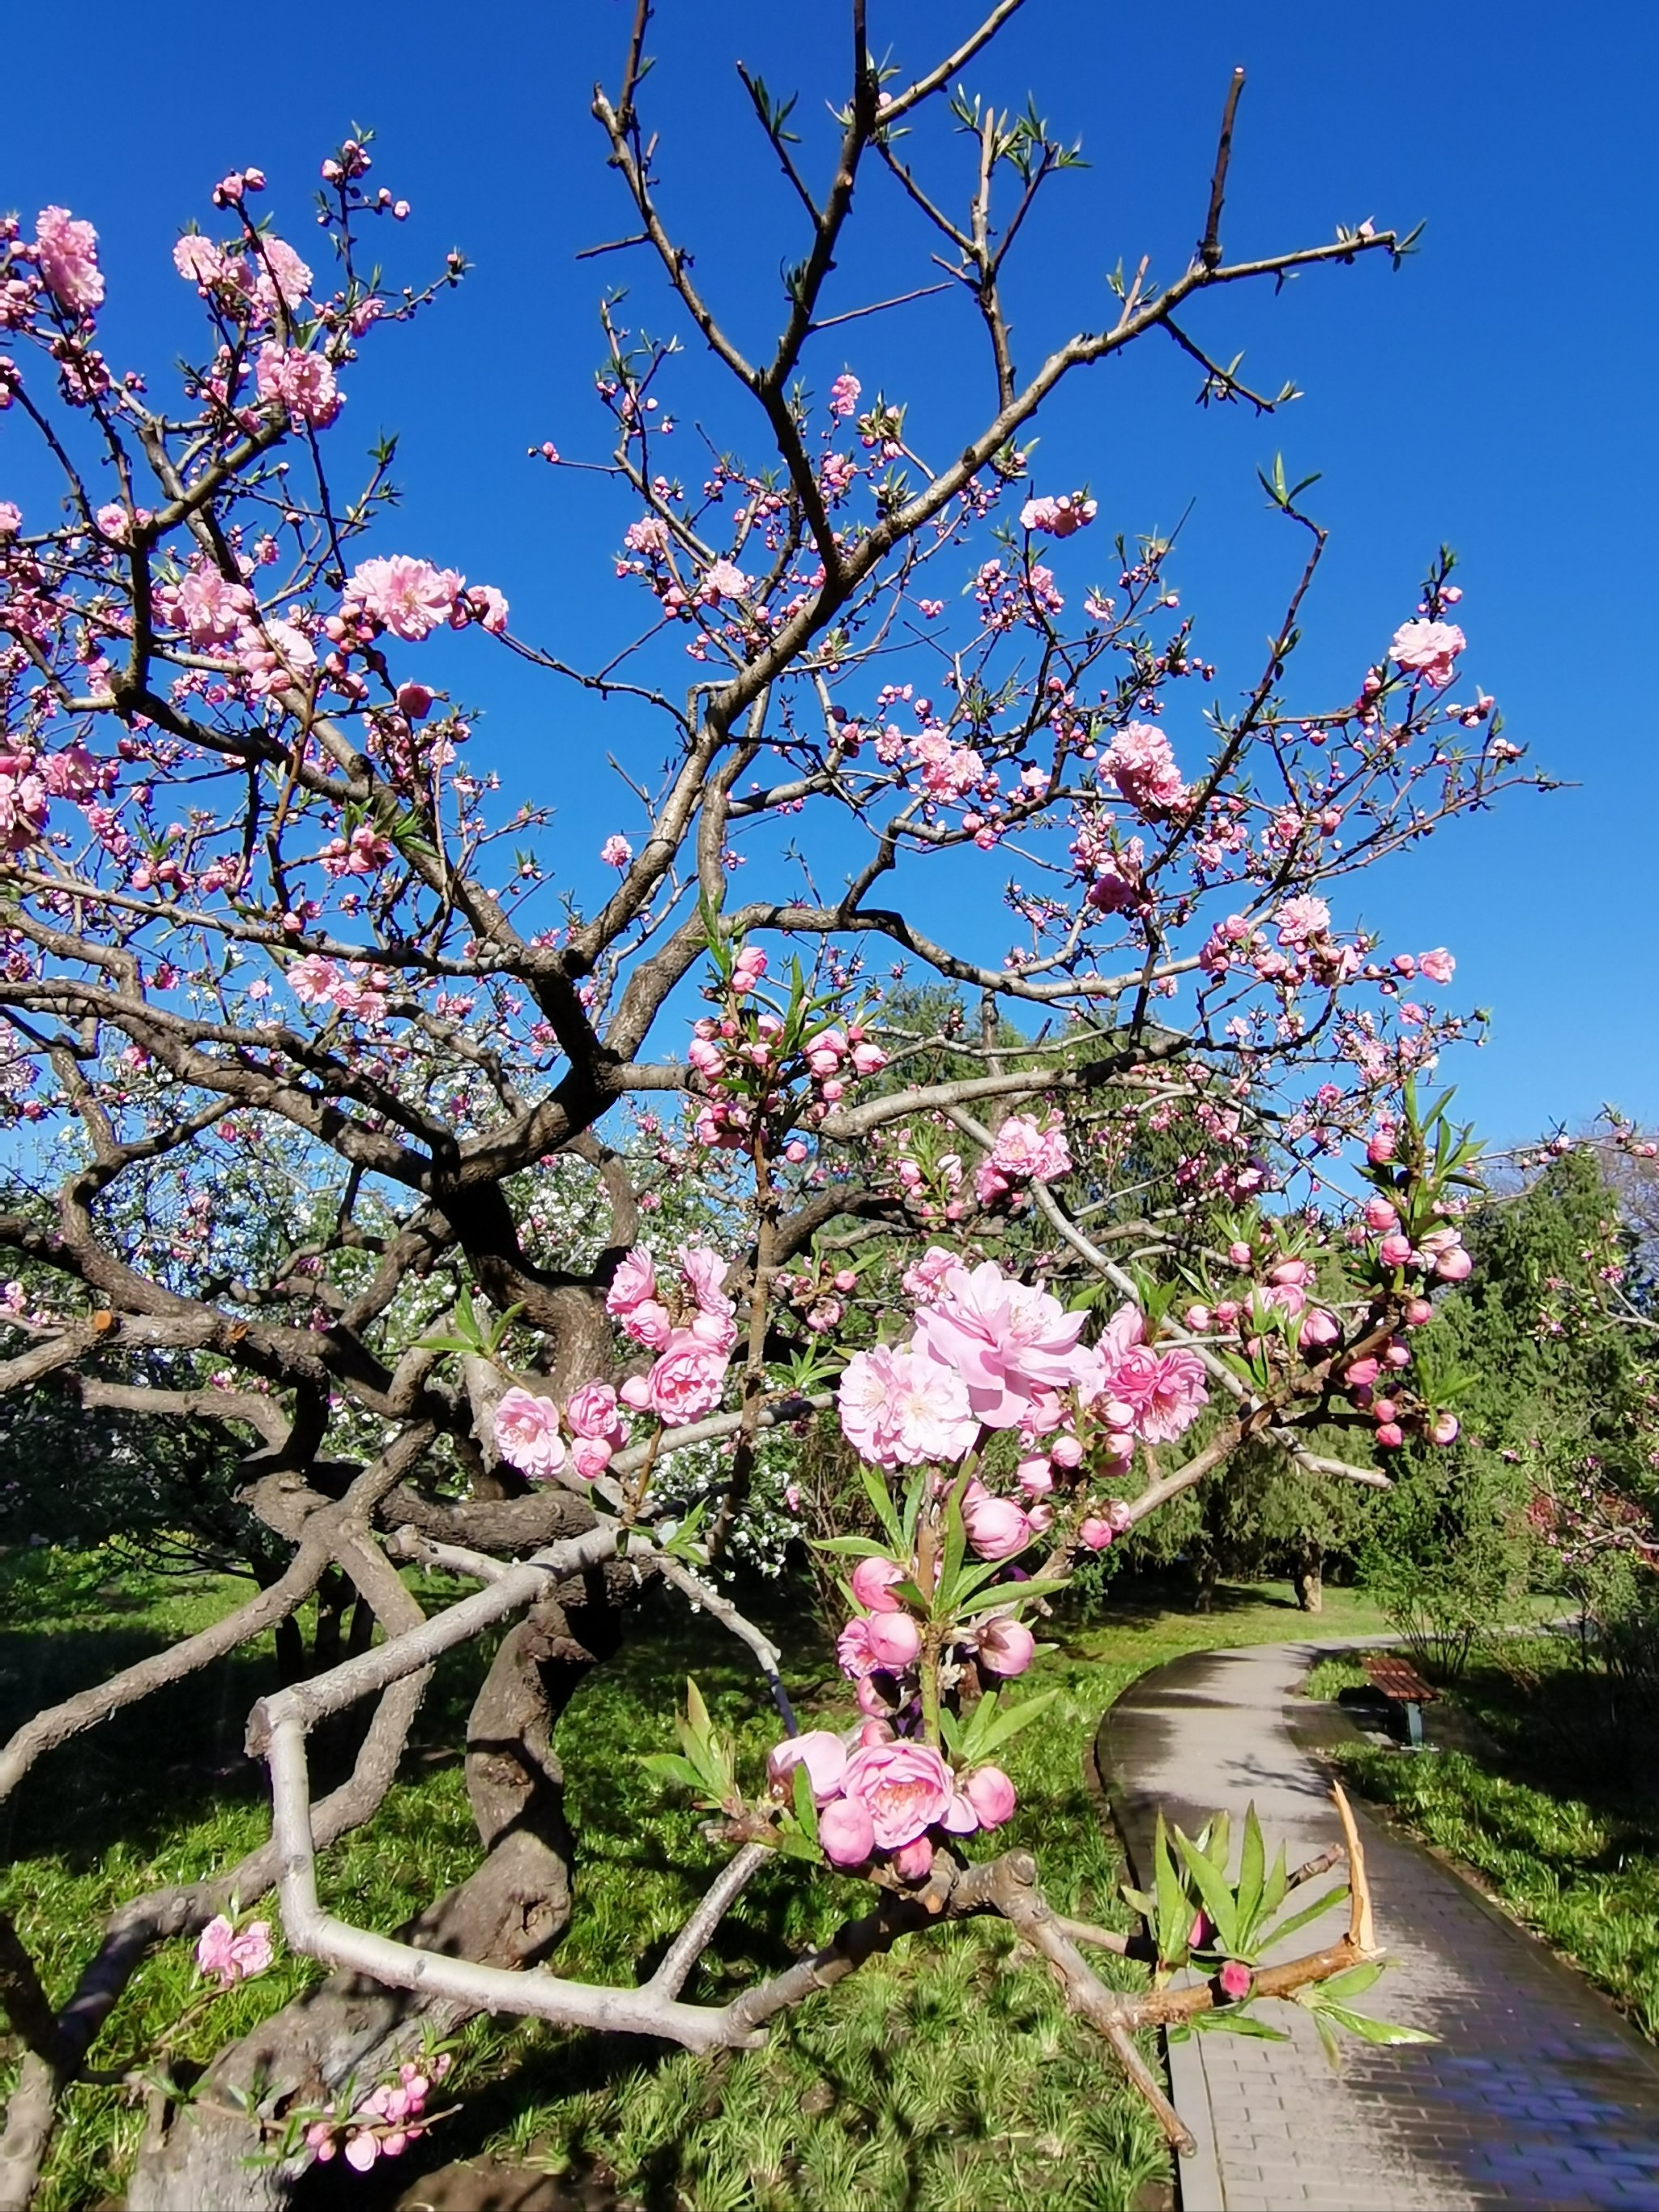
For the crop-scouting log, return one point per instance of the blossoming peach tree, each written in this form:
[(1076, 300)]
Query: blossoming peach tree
[(481, 1212)]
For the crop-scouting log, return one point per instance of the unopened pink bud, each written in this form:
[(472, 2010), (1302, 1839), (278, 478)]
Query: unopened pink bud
[(1390, 1436), (1444, 1429)]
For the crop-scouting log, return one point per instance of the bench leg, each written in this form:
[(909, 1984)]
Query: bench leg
[(1414, 1726)]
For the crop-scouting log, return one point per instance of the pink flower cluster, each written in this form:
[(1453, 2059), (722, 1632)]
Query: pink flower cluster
[(357, 990), (1058, 518), (1026, 1151), (388, 2120), (687, 1323), (884, 1796), (528, 1436), (224, 1956), (24, 800), (1141, 1391), (411, 598), (1140, 763), (302, 382), (739, 1055), (66, 254)]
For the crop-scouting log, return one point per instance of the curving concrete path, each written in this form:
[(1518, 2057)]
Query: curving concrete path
[(1538, 2094)]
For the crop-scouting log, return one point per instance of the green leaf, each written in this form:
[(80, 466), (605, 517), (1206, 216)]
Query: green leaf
[(669, 1766), (806, 1811), (1277, 1886), (955, 1550), (1328, 2037), (696, 1713), (1352, 1983), (1215, 1841), (1175, 1907), (1141, 1903), (1231, 2022), (1372, 2031), (881, 1504), (1309, 1912), (1007, 1721), (851, 1547), (1252, 1867), (1005, 1593), (1214, 1887)]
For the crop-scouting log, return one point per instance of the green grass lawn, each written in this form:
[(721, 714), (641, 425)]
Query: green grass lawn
[(1543, 1809), (946, 2075)]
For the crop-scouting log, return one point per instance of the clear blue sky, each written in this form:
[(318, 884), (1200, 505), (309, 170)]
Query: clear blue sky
[(1497, 393)]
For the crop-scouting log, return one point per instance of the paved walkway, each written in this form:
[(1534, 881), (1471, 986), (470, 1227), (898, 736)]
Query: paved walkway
[(1539, 2095)]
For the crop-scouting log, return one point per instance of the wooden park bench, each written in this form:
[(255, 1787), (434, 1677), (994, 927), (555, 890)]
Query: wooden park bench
[(1402, 1686)]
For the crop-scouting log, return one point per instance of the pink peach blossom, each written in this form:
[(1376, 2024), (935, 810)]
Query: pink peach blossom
[(899, 1409), (914, 1861), (66, 254), (1004, 1340), (846, 1832), (873, 1580), (822, 1753), (223, 1955), (904, 1787), (686, 1379), (527, 1433), (1429, 649), (410, 598), (1005, 1648), (992, 1796), (997, 1527)]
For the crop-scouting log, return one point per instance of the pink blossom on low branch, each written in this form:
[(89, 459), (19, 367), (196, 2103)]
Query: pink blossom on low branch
[(1006, 1647), (821, 1752), (1301, 918), (723, 579), (899, 1409), (873, 1580), (1004, 1340), (1058, 518), (281, 273), (592, 1411), (904, 1787), (997, 1527), (686, 1379), (527, 1433), (846, 1832), (1161, 1393), (992, 1796), (223, 1956)]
